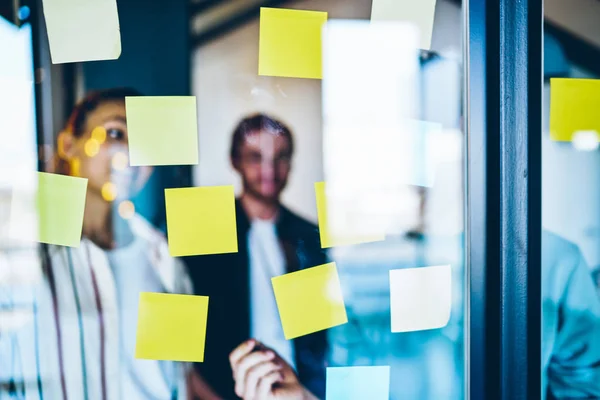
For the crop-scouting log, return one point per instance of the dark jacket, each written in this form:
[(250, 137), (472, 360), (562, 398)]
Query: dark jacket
[(225, 279)]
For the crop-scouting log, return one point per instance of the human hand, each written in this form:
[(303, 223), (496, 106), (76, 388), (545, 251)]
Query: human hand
[(260, 374)]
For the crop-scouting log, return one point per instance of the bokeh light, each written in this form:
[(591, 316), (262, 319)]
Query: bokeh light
[(126, 209), (586, 140), (109, 191), (91, 147), (99, 134)]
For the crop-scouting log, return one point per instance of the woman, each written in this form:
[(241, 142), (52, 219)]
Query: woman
[(81, 342)]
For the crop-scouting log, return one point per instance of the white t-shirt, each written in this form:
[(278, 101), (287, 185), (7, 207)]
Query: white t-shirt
[(133, 273), (267, 260)]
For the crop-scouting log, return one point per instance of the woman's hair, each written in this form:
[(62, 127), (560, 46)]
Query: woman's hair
[(256, 123), (79, 116), (77, 119)]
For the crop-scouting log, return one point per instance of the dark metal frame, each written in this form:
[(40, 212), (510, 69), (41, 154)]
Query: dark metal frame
[(504, 112)]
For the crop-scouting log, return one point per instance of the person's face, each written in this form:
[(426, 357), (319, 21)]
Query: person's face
[(264, 164), (101, 153)]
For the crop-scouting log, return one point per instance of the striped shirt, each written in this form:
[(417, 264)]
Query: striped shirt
[(67, 345)]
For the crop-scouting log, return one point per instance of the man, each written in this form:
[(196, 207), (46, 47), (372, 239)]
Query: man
[(272, 241), (570, 321)]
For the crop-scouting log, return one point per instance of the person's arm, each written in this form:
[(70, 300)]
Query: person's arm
[(574, 370), (259, 373)]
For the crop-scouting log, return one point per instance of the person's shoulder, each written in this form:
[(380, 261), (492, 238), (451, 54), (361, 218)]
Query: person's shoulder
[(557, 250), (561, 260)]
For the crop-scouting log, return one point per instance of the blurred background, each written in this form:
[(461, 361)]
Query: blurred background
[(209, 49)]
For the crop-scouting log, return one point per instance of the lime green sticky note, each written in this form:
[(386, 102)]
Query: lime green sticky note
[(330, 236), (290, 43), (309, 300), (82, 30), (574, 105), (171, 327), (51, 211), (201, 220), (163, 130)]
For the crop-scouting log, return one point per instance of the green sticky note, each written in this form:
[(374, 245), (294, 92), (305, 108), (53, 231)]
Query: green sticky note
[(163, 130), (290, 43), (82, 30), (574, 109), (50, 213)]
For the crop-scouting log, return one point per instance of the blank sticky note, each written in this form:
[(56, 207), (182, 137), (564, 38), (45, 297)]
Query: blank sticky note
[(420, 298), (358, 383), (421, 13), (171, 327), (163, 130), (290, 43), (201, 220), (50, 211), (82, 30), (574, 105), (309, 300), (329, 230)]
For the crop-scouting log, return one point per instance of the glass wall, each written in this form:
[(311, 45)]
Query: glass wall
[(320, 252)]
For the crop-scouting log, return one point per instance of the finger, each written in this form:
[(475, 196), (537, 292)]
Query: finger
[(265, 385), (242, 367), (255, 374), (242, 350)]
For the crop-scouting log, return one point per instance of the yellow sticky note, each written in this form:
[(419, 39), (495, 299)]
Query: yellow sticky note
[(420, 298), (82, 30), (290, 43), (420, 13), (201, 220), (171, 327), (309, 300), (163, 130), (49, 211), (574, 105), (330, 236)]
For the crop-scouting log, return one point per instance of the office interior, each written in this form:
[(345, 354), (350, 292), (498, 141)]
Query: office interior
[(209, 49)]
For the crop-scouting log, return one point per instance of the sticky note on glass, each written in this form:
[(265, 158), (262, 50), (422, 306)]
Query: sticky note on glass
[(201, 220), (420, 13), (420, 298), (309, 300), (290, 43), (574, 105), (163, 130), (330, 230), (171, 327), (358, 383), (49, 211), (82, 30)]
